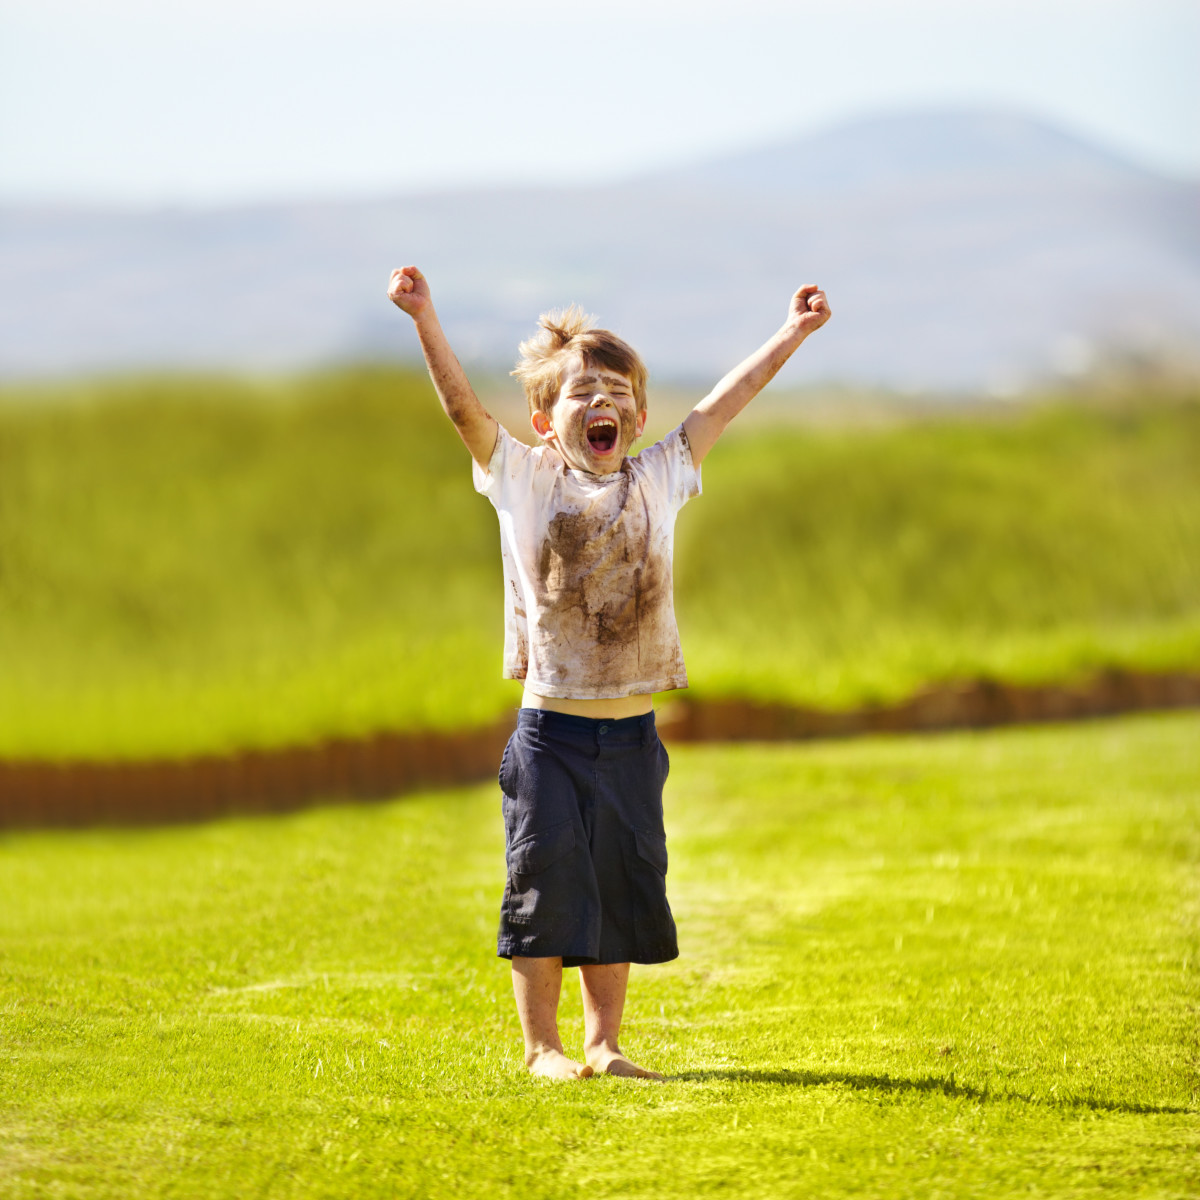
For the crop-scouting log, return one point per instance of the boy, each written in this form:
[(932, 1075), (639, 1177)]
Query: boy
[(586, 535)]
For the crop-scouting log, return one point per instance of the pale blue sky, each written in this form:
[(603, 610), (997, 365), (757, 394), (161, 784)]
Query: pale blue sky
[(225, 101)]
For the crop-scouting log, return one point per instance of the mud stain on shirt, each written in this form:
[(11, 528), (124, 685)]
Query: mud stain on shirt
[(604, 592)]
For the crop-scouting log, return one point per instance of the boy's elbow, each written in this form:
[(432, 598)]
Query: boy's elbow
[(458, 415), (466, 413)]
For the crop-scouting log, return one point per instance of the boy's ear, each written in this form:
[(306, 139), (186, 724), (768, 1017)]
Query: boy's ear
[(641, 422), (541, 424)]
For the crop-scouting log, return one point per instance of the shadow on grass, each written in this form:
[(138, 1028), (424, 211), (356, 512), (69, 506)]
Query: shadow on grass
[(930, 1084)]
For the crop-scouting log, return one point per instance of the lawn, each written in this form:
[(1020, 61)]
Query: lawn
[(209, 565), (961, 965)]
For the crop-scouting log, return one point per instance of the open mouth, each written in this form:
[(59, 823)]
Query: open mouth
[(602, 434)]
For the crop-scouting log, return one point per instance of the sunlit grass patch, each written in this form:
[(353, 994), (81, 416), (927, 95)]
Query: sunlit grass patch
[(962, 965)]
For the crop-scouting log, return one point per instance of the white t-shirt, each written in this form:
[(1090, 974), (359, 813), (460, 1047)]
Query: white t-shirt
[(589, 609)]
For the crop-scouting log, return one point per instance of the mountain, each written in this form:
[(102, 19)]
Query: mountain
[(959, 251), (886, 152)]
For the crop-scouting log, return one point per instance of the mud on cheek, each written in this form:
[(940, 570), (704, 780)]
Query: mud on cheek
[(627, 423)]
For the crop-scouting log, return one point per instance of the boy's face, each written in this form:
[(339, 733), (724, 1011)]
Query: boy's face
[(594, 420)]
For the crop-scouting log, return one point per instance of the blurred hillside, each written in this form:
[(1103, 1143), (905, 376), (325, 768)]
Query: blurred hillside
[(210, 564), (970, 251)]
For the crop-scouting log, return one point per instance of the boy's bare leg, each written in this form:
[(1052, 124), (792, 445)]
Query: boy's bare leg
[(537, 984), (603, 986)]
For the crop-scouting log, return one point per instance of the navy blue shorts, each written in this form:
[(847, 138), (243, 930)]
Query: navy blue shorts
[(584, 841)]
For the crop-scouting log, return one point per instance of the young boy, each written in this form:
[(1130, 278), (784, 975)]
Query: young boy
[(586, 537)]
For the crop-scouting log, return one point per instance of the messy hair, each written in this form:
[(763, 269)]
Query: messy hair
[(565, 334)]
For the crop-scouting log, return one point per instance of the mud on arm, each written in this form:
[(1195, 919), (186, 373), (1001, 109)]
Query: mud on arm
[(409, 291)]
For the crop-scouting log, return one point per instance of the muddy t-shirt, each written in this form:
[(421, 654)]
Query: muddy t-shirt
[(589, 611)]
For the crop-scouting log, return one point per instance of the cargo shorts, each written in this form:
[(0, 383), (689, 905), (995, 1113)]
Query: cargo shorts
[(584, 841)]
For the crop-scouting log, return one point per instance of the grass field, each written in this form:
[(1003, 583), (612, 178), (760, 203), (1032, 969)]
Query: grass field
[(931, 967), (207, 565)]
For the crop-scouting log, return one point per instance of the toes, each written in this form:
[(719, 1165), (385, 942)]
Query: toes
[(624, 1069), (558, 1066)]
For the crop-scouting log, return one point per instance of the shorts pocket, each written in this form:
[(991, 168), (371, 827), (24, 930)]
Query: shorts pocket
[(654, 927), (533, 854), (652, 848), (508, 769), (532, 875)]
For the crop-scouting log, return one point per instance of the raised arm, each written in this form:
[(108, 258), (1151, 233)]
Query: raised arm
[(809, 310), (409, 291)]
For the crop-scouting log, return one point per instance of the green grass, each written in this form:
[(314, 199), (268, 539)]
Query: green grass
[(931, 967), (858, 565), (206, 565), (191, 566)]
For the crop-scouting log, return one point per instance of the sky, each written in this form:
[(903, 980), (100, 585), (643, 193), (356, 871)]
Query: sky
[(222, 102)]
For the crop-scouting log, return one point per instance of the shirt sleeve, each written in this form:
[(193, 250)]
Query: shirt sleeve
[(509, 470), (668, 466)]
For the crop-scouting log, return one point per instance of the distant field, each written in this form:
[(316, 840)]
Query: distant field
[(925, 967), (854, 565), (204, 565)]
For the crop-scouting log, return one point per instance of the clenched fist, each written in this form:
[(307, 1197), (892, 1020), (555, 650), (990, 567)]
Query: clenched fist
[(809, 310), (408, 290)]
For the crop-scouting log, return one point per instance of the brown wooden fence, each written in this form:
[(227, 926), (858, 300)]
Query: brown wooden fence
[(973, 704), (279, 780), (36, 793)]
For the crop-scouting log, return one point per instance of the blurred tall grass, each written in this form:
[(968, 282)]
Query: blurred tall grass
[(194, 565)]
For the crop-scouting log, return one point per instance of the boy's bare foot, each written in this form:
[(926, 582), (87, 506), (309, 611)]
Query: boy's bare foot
[(551, 1063), (605, 1060), (603, 986)]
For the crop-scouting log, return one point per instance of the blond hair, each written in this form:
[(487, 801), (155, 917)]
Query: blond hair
[(568, 333)]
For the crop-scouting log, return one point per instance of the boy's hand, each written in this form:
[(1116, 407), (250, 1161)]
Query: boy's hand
[(408, 290), (809, 310)]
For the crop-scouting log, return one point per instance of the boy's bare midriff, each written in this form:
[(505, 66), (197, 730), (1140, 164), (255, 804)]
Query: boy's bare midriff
[(615, 709)]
